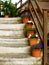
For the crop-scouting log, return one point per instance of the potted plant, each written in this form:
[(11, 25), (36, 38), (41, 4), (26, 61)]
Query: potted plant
[(30, 31), (29, 24), (9, 9), (25, 18), (33, 40), (36, 51)]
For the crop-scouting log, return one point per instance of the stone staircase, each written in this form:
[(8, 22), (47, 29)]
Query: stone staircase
[(14, 47)]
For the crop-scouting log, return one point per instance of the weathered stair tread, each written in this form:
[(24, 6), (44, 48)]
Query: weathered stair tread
[(14, 42), (11, 33), (10, 20), (14, 51), (12, 26), (21, 61)]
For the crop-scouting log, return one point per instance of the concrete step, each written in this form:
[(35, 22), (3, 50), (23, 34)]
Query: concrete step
[(21, 61), (10, 20), (14, 42), (12, 26), (11, 34), (15, 51)]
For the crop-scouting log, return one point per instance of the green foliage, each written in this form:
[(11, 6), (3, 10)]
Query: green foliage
[(9, 9), (31, 29)]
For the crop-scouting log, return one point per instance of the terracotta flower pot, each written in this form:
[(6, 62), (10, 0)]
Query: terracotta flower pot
[(33, 41), (6, 16), (36, 52), (28, 26), (30, 32), (25, 19)]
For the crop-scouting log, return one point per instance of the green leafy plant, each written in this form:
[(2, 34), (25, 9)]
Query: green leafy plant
[(9, 9), (31, 29)]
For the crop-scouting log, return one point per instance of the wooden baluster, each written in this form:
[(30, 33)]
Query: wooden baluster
[(28, 4)]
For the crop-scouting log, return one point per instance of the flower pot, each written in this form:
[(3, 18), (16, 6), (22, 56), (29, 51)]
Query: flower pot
[(36, 52), (30, 32), (28, 26), (33, 41), (25, 19), (6, 16)]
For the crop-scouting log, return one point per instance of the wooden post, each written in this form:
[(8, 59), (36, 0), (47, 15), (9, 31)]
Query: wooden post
[(45, 35), (21, 5), (0, 9), (28, 5)]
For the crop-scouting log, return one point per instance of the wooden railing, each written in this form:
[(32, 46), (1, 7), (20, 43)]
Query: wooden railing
[(37, 20), (40, 23)]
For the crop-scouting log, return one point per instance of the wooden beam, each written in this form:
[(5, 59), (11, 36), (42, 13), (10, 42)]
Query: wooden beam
[(45, 23)]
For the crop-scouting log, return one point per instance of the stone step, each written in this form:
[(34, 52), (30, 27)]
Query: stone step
[(15, 51), (12, 26), (14, 42), (21, 61), (11, 34), (10, 20)]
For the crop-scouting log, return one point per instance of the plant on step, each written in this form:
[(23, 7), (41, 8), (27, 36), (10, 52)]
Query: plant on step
[(36, 50), (25, 17), (29, 24), (9, 9), (30, 31), (33, 39)]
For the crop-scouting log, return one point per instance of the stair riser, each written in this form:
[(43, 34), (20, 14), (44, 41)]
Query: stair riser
[(15, 55), (21, 61), (7, 63), (10, 20), (12, 26), (12, 44)]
